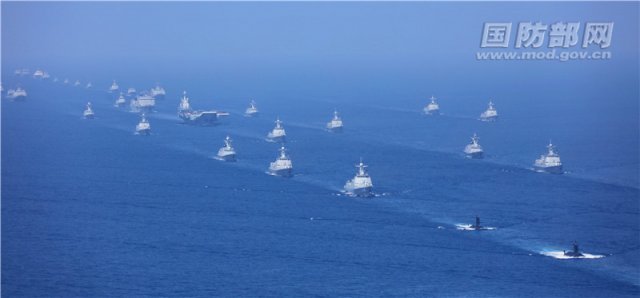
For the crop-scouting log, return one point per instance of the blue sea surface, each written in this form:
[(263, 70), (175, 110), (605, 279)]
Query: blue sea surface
[(90, 209)]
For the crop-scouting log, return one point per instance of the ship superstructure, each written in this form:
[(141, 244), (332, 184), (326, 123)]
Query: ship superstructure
[(227, 152), (282, 166), (335, 125), (473, 149), (361, 184), (433, 108), (549, 162), (491, 114)]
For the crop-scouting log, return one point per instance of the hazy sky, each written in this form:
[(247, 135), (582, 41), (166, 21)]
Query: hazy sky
[(279, 34), (340, 41)]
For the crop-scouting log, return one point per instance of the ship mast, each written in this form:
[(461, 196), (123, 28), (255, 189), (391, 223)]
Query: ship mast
[(184, 102), (283, 154), (550, 147), (475, 139), (227, 142), (361, 168)]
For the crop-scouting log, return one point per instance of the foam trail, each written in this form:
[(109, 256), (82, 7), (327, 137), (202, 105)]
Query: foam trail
[(468, 227), (560, 255)]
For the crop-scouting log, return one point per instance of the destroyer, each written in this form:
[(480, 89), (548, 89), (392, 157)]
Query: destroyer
[(335, 125), (361, 184), (277, 133), (432, 108), (38, 74), (89, 85), (120, 102), (550, 162), (17, 94), (158, 92), (227, 153), (190, 116), (473, 149), (143, 127), (114, 87), (131, 91), (76, 84), (252, 110), (282, 166), (88, 112), (491, 114)]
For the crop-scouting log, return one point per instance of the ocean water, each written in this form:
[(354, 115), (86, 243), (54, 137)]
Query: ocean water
[(91, 209)]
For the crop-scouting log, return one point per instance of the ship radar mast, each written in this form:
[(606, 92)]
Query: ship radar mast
[(475, 139), (433, 99), (278, 123), (283, 153), (184, 102), (551, 148), (227, 142), (361, 168)]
